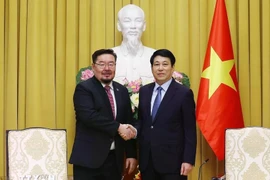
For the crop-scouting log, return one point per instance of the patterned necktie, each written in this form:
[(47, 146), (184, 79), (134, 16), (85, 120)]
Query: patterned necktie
[(108, 91), (156, 102)]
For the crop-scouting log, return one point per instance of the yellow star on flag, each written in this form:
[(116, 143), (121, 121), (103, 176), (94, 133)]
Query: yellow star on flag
[(218, 72)]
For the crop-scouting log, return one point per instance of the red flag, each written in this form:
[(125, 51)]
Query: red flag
[(218, 104)]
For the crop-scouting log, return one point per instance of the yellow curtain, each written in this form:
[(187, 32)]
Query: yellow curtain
[(44, 43)]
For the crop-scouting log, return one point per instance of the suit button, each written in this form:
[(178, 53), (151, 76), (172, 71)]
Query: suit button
[(152, 127)]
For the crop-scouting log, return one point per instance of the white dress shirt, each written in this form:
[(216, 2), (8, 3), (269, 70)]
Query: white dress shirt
[(164, 86), (115, 109)]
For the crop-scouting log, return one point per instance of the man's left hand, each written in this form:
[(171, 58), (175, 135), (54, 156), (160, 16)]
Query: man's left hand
[(131, 164), (185, 169)]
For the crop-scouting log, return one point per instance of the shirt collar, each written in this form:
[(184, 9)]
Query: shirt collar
[(164, 86), (111, 86)]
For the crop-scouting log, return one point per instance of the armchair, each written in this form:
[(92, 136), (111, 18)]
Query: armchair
[(37, 153), (247, 153)]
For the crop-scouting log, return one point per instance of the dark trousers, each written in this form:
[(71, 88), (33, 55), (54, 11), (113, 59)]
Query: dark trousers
[(108, 171), (151, 174)]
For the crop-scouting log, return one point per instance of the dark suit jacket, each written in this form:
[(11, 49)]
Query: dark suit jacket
[(171, 137), (96, 127)]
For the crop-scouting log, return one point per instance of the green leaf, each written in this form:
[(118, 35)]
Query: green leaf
[(185, 80)]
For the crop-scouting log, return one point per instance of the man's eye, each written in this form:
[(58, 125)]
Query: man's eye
[(101, 65), (126, 20), (139, 20)]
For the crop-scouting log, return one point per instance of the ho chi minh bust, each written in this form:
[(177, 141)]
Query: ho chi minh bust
[(133, 58)]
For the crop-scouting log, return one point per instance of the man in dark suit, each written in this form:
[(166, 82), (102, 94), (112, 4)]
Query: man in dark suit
[(102, 109), (167, 125)]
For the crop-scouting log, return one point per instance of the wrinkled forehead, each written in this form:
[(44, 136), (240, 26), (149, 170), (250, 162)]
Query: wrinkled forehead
[(131, 12)]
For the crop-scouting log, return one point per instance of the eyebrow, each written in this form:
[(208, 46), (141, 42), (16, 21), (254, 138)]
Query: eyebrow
[(105, 62), (126, 18)]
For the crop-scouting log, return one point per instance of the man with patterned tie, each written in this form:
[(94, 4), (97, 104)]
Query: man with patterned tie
[(167, 125), (102, 109)]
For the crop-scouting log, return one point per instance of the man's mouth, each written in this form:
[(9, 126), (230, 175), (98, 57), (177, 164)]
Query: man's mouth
[(133, 33), (160, 74)]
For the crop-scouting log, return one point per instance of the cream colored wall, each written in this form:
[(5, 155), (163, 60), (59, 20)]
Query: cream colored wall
[(44, 43)]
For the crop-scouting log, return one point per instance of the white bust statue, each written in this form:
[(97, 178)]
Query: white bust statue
[(133, 58)]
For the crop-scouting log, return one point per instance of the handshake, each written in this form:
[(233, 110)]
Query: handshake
[(127, 131)]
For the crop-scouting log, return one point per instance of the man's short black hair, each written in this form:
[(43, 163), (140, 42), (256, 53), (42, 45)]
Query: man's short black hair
[(163, 53), (102, 51)]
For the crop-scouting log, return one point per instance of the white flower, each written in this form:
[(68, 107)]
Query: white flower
[(135, 99)]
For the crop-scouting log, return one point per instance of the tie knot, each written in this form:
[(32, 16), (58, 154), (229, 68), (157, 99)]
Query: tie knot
[(107, 88), (159, 88)]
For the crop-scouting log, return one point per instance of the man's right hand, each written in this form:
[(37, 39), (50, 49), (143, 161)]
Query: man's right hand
[(127, 131)]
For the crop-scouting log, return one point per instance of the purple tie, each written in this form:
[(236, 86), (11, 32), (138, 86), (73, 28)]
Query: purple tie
[(108, 91), (156, 103)]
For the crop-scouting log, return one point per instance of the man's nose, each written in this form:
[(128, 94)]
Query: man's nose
[(106, 66), (133, 24), (160, 67)]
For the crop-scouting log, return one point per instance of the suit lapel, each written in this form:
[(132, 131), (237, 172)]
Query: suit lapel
[(166, 99), (148, 100), (103, 93), (118, 99)]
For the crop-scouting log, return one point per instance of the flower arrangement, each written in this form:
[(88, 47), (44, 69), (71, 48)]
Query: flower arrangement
[(84, 74), (181, 78), (133, 90)]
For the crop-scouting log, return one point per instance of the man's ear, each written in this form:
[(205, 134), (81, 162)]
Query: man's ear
[(119, 26), (93, 67), (144, 25)]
